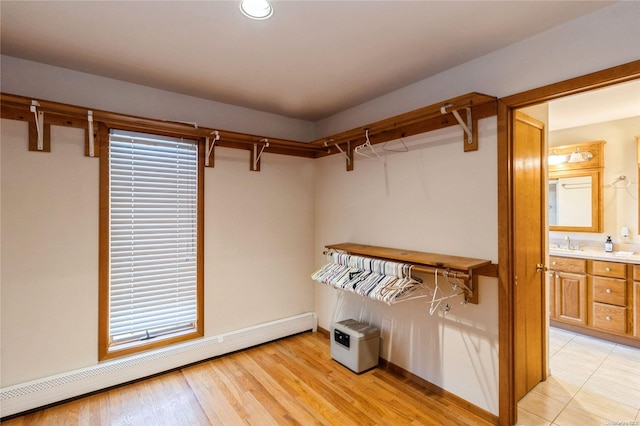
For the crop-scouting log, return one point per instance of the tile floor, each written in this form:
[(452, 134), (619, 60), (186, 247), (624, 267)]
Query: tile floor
[(592, 382)]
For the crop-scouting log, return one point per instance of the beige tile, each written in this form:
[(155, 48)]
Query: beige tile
[(579, 353), (612, 390), (602, 406), (624, 358), (592, 344), (629, 353), (526, 418), (560, 334), (544, 406), (618, 374), (570, 371), (554, 348), (572, 416), (557, 388), (558, 339)]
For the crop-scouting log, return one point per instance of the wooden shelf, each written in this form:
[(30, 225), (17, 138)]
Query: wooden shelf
[(411, 123), (467, 268), (414, 122), (457, 263)]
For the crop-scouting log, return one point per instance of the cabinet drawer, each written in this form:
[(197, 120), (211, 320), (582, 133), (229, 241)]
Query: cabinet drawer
[(609, 269), (567, 264), (609, 318), (610, 290)]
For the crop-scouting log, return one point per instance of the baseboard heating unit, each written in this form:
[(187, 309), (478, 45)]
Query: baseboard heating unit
[(38, 393)]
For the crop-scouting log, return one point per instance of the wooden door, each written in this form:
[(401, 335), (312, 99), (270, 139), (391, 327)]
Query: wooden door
[(529, 238)]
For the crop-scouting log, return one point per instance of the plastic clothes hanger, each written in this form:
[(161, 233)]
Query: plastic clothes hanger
[(366, 145)]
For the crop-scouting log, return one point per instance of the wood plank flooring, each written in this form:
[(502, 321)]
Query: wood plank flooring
[(292, 381)]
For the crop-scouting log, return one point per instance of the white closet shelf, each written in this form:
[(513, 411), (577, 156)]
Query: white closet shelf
[(464, 268)]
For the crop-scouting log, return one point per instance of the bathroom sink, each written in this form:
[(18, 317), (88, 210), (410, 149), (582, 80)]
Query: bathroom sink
[(564, 249)]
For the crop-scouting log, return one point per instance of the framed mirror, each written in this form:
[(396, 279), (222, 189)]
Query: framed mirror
[(575, 201), (575, 188)]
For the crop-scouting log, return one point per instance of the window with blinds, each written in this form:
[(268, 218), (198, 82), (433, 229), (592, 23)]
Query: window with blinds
[(153, 237)]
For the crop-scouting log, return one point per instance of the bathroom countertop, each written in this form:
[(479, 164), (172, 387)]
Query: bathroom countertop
[(596, 255)]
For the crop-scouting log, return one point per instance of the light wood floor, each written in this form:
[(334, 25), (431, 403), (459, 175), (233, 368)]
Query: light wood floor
[(292, 381)]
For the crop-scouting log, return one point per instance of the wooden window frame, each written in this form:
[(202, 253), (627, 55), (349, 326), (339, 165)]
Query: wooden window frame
[(104, 350)]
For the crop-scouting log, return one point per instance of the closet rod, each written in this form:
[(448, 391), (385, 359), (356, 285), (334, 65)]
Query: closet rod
[(442, 271)]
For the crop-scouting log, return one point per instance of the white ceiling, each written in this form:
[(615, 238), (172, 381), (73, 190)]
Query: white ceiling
[(596, 106), (311, 60)]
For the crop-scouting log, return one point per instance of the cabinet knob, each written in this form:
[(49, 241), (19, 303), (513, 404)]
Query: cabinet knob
[(609, 291), (608, 317), (607, 269), (554, 263)]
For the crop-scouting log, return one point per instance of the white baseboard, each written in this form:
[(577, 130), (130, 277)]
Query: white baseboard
[(38, 393)]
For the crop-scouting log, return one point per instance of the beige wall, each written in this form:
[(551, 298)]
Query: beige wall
[(49, 238), (435, 198), (620, 158), (258, 248)]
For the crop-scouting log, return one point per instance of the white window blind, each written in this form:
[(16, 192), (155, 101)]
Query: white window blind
[(153, 236)]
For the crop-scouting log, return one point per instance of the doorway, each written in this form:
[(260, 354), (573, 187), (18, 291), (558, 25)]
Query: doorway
[(608, 114), (509, 260)]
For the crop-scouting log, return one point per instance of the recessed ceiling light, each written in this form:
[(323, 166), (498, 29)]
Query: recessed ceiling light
[(256, 9)]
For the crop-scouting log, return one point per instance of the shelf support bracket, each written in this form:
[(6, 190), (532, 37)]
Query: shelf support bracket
[(210, 144), (39, 138), (348, 154), (470, 127), (90, 134), (255, 155)]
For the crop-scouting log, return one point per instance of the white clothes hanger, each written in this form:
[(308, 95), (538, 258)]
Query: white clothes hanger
[(403, 149), (360, 149)]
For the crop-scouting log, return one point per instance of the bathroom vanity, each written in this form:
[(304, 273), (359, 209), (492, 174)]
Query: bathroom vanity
[(596, 294)]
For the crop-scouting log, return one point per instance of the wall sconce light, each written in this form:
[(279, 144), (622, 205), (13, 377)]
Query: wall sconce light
[(256, 9), (579, 157), (555, 159)]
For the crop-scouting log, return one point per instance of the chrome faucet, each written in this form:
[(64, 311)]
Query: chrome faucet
[(568, 240)]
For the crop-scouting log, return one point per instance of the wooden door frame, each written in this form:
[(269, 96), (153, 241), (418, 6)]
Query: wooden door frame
[(507, 404)]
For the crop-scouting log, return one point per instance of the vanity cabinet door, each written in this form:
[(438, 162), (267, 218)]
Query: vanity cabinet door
[(571, 298)]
